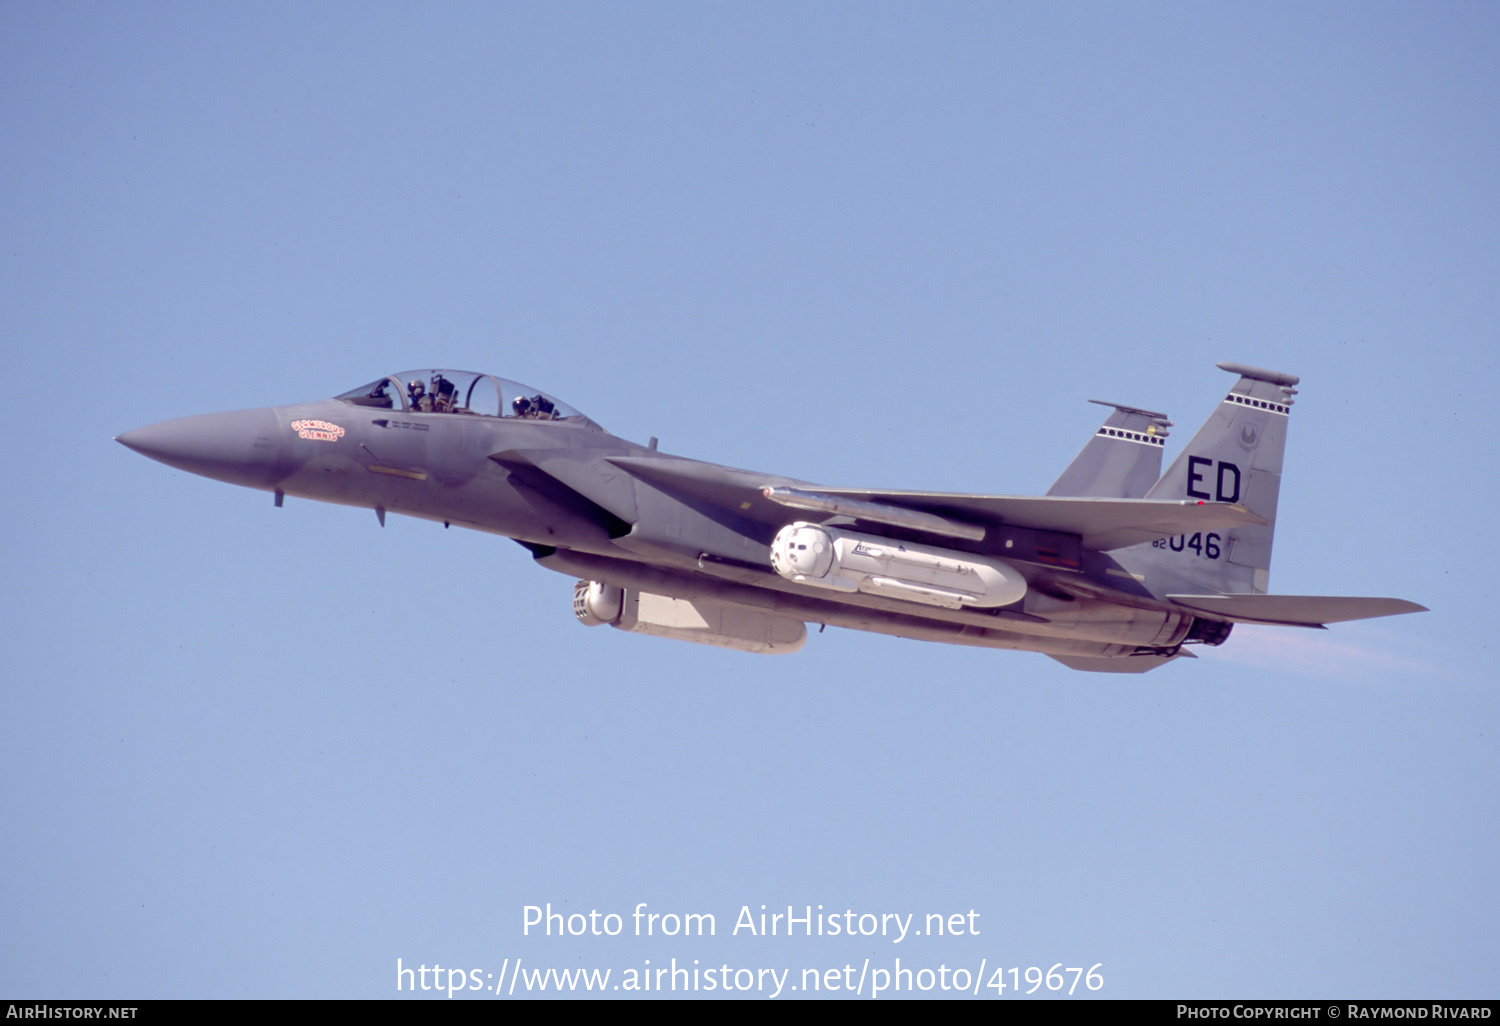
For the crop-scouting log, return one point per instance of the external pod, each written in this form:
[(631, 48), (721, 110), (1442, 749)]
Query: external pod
[(595, 604), (700, 620), (827, 557)]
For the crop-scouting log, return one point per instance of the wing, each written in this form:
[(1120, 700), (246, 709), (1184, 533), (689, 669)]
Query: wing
[(1103, 524)]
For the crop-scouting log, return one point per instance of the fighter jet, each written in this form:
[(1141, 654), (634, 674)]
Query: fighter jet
[(1118, 568)]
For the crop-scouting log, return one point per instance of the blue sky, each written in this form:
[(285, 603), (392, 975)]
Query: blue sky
[(260, 752)]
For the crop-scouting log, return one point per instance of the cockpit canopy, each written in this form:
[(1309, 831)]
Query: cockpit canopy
[(458, 392)]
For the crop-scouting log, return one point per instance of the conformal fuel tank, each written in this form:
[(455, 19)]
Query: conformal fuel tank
[(827, 557)]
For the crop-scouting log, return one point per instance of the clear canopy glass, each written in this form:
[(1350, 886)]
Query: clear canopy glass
[(457, 392)]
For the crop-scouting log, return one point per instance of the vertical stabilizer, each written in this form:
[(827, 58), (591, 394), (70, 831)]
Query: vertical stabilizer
[(1235, 457), (1121, 461)]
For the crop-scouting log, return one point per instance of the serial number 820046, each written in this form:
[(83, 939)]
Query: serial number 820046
[(1205, 545)]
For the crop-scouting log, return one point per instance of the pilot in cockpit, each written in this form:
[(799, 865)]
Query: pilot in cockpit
[(443, 394), (417, 393), (537, 407)]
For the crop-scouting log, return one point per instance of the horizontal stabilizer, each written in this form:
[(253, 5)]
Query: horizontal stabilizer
[(1295, 610)]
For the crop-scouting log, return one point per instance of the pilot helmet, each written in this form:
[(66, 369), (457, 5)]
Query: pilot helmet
[(521, 406)]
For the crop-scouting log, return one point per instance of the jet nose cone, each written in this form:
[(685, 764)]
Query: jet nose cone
[(240, 447), (148, 441)]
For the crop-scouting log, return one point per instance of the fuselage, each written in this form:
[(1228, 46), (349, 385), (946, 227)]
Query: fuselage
[(549, 484), (1114, 569)]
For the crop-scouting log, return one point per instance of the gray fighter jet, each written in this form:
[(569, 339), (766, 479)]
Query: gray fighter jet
[(1116, 568)]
